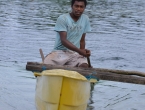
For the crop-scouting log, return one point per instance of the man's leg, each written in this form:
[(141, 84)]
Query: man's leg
[(84, 65)]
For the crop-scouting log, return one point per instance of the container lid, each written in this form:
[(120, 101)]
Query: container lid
[(64, 73)]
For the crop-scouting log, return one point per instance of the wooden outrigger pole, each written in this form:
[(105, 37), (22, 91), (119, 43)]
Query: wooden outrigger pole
[(103, 74)]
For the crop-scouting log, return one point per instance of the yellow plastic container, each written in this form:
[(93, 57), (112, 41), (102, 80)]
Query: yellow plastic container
[(62, 90)]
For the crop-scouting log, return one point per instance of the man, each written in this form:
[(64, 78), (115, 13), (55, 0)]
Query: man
[(71, 30)]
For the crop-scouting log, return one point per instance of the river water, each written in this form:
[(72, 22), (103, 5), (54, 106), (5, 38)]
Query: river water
[(117, 41)]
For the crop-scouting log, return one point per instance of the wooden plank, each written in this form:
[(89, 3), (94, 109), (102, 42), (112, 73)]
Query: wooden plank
[(103, 74)]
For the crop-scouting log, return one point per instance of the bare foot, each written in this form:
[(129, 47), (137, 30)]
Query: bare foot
[(84, 65)]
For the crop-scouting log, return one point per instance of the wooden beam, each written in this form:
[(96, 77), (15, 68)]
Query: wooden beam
[(103, 74)]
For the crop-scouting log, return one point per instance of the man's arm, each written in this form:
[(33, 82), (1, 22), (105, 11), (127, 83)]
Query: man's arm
[(82, 44), (82, 41), (69, 45)]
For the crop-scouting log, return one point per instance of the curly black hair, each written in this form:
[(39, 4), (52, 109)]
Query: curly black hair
[(73, 1)]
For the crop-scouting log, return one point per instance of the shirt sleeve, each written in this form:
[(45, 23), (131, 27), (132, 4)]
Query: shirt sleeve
[(60, 24), (87, 27)]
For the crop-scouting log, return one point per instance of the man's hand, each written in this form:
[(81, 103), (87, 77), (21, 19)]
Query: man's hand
[(88, 52), (84, 52)]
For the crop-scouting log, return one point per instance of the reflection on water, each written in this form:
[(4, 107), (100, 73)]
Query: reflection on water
[(117, 41)]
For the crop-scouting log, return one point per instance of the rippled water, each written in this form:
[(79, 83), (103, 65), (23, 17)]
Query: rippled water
[(117, 41)]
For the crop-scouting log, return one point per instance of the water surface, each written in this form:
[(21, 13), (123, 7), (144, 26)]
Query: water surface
[(117, 41)]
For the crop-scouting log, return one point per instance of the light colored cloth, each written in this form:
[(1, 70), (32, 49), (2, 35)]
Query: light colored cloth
[(74, 30), (64, 57)]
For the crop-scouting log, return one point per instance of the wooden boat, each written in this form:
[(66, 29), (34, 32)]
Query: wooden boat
[(64, 93), (99, 73)]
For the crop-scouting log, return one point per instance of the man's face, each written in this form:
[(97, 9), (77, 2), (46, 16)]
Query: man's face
[(78, 8)]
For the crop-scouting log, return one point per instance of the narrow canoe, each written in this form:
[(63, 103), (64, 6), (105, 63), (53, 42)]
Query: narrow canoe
[(100, 73)]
